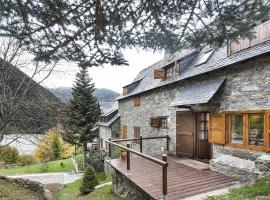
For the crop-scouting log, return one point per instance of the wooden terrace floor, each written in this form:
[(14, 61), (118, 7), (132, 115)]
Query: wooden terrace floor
[(183, 181)]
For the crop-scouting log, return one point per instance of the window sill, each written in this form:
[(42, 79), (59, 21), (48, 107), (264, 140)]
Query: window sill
[(249, 147)]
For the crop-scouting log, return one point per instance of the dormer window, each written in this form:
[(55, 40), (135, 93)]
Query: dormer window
[(167, 71), (206, 56)]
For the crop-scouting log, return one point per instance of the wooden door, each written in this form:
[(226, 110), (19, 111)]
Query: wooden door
[(203, 147), (185, 134)]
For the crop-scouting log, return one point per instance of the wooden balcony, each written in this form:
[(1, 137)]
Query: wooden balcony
[(261, 34), (162, 177)]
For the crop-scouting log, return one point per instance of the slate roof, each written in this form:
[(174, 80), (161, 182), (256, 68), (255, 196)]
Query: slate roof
[(107, 124), (218, 60), (107, 107), (197, 93)]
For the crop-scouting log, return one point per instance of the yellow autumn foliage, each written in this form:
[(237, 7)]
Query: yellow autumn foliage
[(44, 149)]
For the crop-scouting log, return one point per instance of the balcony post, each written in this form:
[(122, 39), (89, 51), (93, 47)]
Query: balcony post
[(167, 143), (164, 178), (128, 160), (141, 144)]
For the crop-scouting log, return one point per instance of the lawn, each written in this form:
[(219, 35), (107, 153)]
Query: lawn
[(258, 190), (53, 166), (71, 191), (18, 193)]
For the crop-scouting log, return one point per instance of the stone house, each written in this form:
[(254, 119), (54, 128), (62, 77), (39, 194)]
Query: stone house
[(109, 126), (213, 103)]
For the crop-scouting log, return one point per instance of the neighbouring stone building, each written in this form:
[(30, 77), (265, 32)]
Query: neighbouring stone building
[(213, 103), (109, 125)]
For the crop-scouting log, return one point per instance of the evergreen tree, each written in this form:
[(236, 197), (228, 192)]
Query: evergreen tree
[(93, 33), (82, 112), (56, 147), (90, 180)]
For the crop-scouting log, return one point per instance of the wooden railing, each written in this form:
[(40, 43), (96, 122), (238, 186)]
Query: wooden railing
[(163, 162)]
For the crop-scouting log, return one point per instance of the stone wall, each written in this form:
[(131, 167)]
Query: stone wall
[(105, 134), (246, 88), (116, 129), (31, 185), (112, 131), (240, 163), (123, 187)]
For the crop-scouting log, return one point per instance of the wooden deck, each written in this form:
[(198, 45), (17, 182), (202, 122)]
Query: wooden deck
[(183, 181)]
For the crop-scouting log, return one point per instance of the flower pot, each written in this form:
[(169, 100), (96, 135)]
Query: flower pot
[(123, 155)]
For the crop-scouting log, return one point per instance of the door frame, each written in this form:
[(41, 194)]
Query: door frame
[(196, 136)]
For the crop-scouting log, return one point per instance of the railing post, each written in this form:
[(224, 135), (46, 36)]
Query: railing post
[(110, 149), (128, 160), (141, 144), (167, 143), (164, 178)]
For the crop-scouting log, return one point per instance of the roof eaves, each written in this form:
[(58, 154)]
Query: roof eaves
[(220, 63)]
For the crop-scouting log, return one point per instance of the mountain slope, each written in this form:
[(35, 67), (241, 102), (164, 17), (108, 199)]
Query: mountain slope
[(102, 94)]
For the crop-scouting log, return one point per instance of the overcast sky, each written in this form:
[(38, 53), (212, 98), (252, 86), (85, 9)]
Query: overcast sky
[(110, 77)]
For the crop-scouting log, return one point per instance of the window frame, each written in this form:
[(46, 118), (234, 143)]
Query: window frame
[(136, 134), (246, 144), (166, 122), (137, 101), (206, 124)]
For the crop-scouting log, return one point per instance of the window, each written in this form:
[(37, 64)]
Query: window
[(163, 122), (203, 126), (169, 71), (256, 129), (159, 122), (237, 129), (125, 90), (205, 57), (137, 134), (247, 129), (136, 101)]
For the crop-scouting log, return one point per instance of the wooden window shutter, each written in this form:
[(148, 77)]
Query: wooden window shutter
[(155, 122), (125, 90), (159, 73), (137, 101), (267, 131), (137, 134), (217, 128), (124, 132)]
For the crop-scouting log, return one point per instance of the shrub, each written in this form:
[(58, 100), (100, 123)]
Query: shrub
[(44, 166), (27, 160), (52, 147), (56, 147), (96, 159), (90, 180), (8, 155)]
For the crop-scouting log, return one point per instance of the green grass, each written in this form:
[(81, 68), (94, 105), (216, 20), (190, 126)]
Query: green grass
[(104, 193), (53, 166), (79, 159), (260, 188), (72, 191)]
